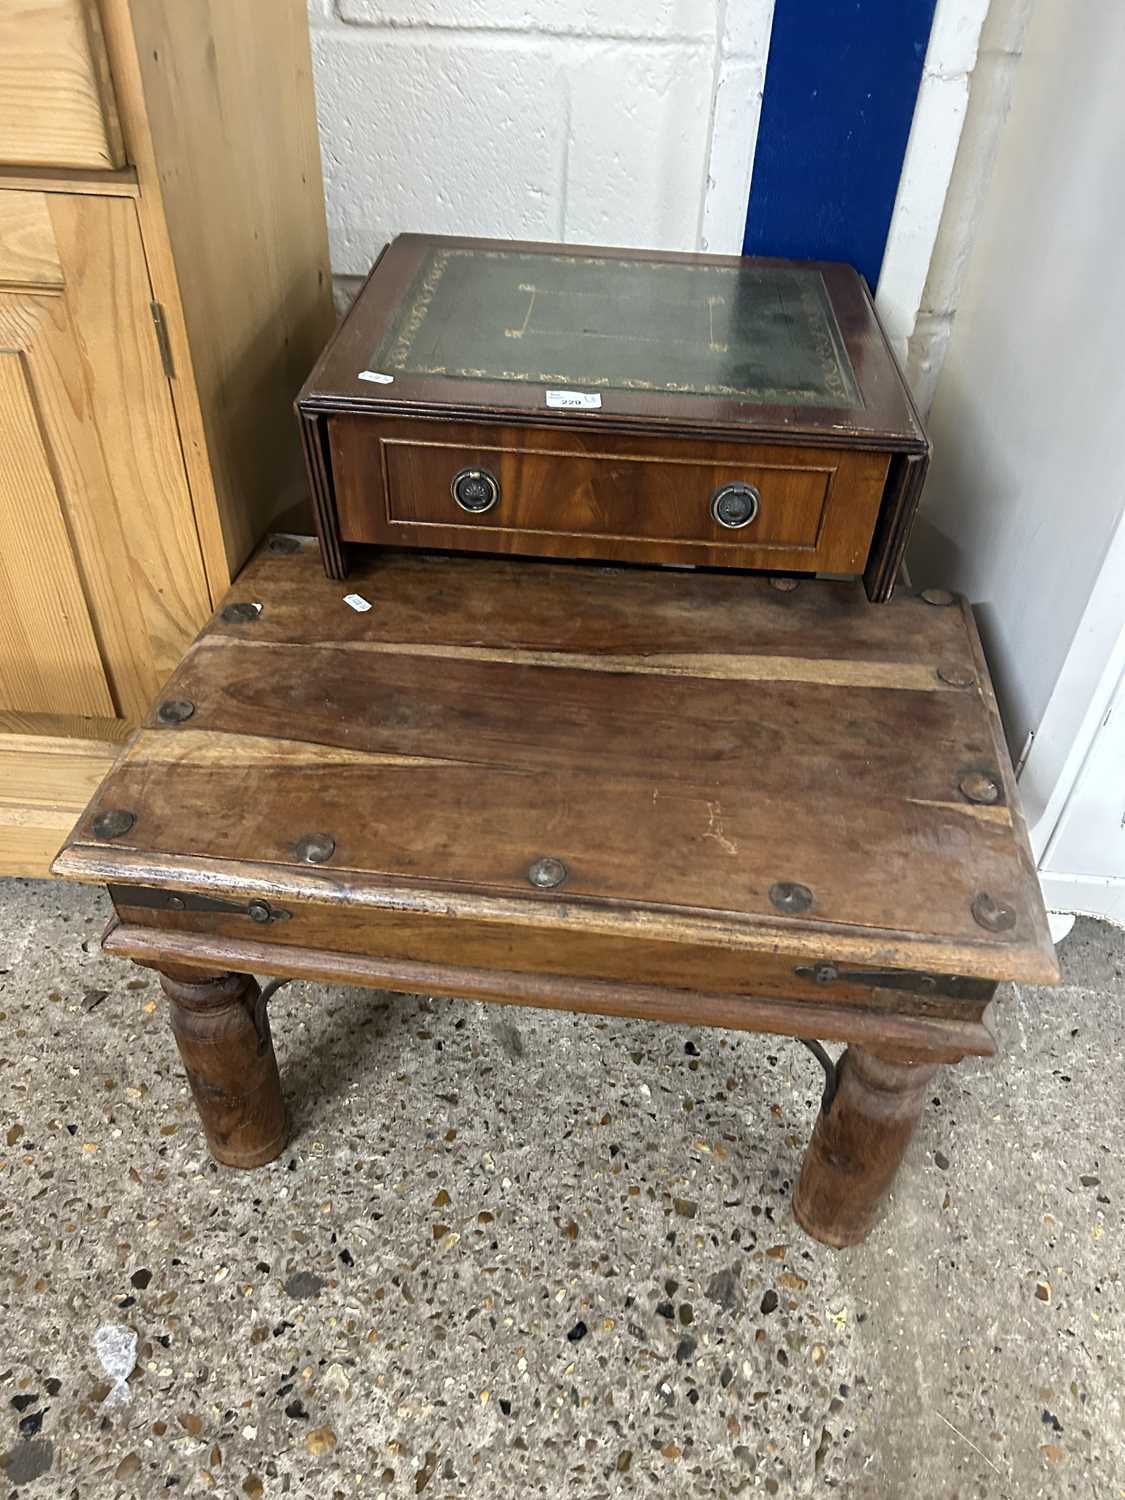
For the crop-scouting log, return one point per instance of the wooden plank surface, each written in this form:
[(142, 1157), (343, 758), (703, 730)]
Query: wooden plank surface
[(56, 98), (29, 254), (45, 781), (49, 656), (681, 741), (116, 182)]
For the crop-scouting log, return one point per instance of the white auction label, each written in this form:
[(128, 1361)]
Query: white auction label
[(357, 602), (376, 376), (575, 400)]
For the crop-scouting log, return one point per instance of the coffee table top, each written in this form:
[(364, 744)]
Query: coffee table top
[(452, 326), (756, 331), (704, 756)]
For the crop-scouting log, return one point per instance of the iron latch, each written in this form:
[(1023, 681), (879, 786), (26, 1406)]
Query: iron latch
[(159, 900), (953, 985)]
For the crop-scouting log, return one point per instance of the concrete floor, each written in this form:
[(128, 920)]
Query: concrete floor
[(514, 1254)]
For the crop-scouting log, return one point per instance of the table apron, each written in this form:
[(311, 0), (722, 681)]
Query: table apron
[(887, 1020)]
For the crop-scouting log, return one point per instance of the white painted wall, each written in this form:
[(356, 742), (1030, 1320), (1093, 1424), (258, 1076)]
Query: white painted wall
[(1027, 487), (1083, 867), (1073, 781), (935, 133), (600, 121), (989, 85)]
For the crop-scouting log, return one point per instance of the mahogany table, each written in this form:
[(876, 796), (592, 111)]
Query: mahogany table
[(690, 797)]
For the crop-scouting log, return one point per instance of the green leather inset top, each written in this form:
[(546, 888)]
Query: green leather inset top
[(766, 335)]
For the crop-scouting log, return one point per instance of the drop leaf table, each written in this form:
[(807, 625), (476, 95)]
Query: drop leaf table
[(621, 405), (690, 797)]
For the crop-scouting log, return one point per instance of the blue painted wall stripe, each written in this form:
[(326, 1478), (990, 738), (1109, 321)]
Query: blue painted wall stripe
[(840, 89)]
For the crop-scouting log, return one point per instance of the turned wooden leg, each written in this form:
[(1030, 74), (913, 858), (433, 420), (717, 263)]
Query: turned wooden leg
[(227, 1053), (857, 1145)]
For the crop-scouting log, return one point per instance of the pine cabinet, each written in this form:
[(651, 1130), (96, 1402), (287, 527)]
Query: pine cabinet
[(164, 288)]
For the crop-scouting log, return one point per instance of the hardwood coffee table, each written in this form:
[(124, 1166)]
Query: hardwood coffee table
[(687, 797)]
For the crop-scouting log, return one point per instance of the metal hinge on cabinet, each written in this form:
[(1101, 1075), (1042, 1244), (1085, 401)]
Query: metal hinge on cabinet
[(162, 339)]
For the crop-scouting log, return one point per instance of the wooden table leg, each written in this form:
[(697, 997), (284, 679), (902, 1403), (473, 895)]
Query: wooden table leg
[(227, 1053), (857, 1145)]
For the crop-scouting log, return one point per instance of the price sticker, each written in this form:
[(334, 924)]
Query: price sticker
[(575, 400)]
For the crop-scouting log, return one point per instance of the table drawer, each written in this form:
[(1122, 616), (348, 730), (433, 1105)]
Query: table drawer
[(56, 99), (480, 487)]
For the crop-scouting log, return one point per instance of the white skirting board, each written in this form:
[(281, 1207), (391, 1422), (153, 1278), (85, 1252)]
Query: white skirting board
[(1083, 895)]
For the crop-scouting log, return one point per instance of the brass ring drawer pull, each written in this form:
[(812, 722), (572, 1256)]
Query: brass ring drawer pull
[(475, 490), (735, 505)]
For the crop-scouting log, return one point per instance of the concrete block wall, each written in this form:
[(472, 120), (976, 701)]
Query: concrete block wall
[(600, 121), (630, 122)]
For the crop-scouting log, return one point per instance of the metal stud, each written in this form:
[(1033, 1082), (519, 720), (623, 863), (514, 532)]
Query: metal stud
[(112, 823), (784, 585), (937, 596), (241, 613), (175, 711), (316, 848), (980, 786), (546, 873), (790, 897), (958, 677), (284, 544), (992, 915), (259, 911)]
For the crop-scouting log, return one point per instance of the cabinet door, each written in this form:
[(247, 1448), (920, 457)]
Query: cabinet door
[(99, 561)]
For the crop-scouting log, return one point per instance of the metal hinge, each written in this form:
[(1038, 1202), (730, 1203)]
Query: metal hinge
[(894, 979), (158, 900), (162, 339)]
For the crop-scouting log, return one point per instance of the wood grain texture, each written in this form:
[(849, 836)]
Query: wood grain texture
[(219, 112), (227, 1053), (603, 495), (29, 254), (676, 799), (734, 776), (491, 941), (238, 881), (897, 1031), (858, 1144), (49, 655), (589, 611), (46, 779), (109, 430), (101, 562), (117, 182), (33, 728), (57, 105)]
